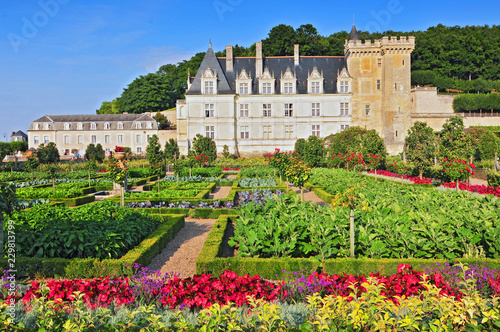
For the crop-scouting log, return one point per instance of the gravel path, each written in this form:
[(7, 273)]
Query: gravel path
[(181, 253), (220, 192), (476, 182), (308, 195)]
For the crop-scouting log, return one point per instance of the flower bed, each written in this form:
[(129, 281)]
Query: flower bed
[(414, 179), (231, 169)]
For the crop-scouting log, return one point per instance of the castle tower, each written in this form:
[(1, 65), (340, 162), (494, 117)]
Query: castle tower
[(381, 86)]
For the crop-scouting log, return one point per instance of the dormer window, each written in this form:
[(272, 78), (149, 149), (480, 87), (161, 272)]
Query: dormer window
[(66, 126), (36, 126), (266, 83), (46, 126), (288, 88), (149, 125), (93, 126), (244, 83), (79, 126), (120, 125), (315, 87), (344, 82), (288, 82), (344, 87), (138, 125), (209, 82), (315, 82), (107, 126)]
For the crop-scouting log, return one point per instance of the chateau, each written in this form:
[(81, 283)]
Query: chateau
[(75, 132), (255, 104)]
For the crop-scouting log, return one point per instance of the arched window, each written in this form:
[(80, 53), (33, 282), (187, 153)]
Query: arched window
[(66, 126), (149, 125), (46, 126), (79, 126), (138, 125), (93, 126), (120, 125), (107, 125), (36, 126)]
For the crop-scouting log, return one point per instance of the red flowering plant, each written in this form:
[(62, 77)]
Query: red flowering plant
[(201, 160), (279, 160), (119, 149), (414, 179), (355, 161), (456, 170), (373, 161), (337, 160), (399, 167)]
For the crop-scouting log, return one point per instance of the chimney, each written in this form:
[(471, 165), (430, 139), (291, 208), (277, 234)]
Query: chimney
[(229, 58), (258, 59), (13, 133), (296, 56)]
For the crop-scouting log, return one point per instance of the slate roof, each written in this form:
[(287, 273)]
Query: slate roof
[(329, 65), (354, 33), (19, 133), (128, 120)]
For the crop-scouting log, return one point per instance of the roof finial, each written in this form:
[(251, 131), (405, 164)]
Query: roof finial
[(353, 21), (210, 43)]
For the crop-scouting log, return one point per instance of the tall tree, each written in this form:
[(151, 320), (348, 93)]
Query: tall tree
[(31, 164), (47, 153), (420, 146), (154, 154), (171, 150), (205, 145), (314, 151), (279, 41), (162, 120), (150, 93)]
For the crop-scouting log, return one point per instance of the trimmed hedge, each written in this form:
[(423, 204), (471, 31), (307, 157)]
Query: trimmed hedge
[(91, 267), (271, 268), (75, 201)]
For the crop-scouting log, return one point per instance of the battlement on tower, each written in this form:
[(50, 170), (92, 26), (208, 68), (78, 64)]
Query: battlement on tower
[(403, 44)]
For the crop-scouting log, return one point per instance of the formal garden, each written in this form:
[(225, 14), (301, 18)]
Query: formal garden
[(333, 236)]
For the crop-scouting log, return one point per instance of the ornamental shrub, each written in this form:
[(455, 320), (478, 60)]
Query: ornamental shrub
[(456, 170)]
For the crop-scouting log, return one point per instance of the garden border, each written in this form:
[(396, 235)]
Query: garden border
[(142, 254), (209, 260)]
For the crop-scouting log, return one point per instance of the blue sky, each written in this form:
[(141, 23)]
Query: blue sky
[(67, 56)]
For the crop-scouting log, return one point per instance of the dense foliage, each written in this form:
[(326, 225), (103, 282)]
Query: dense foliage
[(477, 102), (47, 153), (164, 193), (99, 230), (357, 140), (420, 146)]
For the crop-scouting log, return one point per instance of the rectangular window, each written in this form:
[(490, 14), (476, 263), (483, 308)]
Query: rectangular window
[(148, 137), (316, 130), (93, 139), (266, 110), (36, 140), (138, 138), (344, 109), (66, 139), (315, 87), (209, 110), (367, 109), (343, 127), (344, 87), (209, 87), (244, 132), (80, 139), (139, 149), (379, 62), (120, 138), (288, 131), (288, 110), (378, 84), (106, 139), (243, 88), (288, 88), (266, 88), (315, 109), (243, 110), (210, 131), (267, 132)]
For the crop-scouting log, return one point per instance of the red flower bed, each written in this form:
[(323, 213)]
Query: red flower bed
[(226, 169), (205, 290), (97, 292), (414, 179), (480, 189), (407, 282)]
